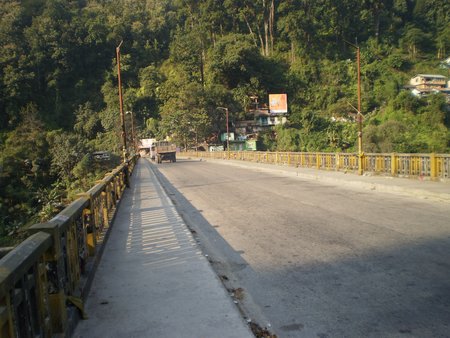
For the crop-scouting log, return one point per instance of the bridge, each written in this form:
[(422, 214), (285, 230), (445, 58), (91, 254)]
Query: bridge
[(186, 251)]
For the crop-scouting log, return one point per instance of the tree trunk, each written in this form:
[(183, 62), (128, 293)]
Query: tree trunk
[(261, 40), (292, 52), (377, 27), (213, 39), (266, 19), (251, 31), (272, 24), (202, 66), (266, 37)]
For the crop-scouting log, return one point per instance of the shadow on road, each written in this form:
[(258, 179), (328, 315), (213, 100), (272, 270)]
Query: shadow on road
[(215, 246)]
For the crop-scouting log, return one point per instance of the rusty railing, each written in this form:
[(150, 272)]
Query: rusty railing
[(432, 166), (44, 280)]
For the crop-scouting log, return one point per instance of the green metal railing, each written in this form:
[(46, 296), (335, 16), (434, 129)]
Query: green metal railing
[(432, 166), (44, 279)]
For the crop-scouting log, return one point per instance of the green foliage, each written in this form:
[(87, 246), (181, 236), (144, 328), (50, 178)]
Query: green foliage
[(185, 115), (24, 169), (87, 123), (409, 124), (187, 52), (51, 200), (152, 128), (180, 60), (66, 150), (234, 60)]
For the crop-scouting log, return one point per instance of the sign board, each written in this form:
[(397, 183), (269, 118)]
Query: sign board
[(147, 142), (223, 137), (251, 145), (216, 148), (101, 155), (278, 103)]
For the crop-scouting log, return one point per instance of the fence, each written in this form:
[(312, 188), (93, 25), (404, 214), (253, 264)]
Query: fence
[(43, 279), (433, 166)]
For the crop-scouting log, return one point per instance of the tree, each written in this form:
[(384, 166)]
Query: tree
[(259, 20), (87, 123), (187, 51), (185, 116), (66, 150), (152, 127), (147, 101), (15, 74), (234, 60), (24, 169), (443, 42), (415, 41)]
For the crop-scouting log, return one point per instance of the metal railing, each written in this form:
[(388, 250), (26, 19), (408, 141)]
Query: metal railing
[(44, 279), (432, 166)]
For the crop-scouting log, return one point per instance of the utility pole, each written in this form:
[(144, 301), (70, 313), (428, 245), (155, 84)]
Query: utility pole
[(122, 114), (133, 134), (359, 115), (228, 132)]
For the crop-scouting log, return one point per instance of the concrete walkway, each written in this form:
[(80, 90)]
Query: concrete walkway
[(412, 187), (152, 280)]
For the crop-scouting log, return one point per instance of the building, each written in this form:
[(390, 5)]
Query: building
[(260, 117), (428, 81), (425, 84), (446, 63)]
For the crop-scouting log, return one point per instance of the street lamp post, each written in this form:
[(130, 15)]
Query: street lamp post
[(359, 115), (122, 115), (133, 134), (228, 132), (360, 150)]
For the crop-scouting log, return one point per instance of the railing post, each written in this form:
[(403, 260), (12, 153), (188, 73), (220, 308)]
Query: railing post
[(433, 166), (338, 162), (54, 262), (378, 164), (394, 166), (104, 202), (88, 217), (361, 158)]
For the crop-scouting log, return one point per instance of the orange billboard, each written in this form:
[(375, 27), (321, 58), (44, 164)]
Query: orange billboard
[(278, 103)]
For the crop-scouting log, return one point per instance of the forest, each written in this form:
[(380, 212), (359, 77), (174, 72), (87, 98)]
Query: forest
[(181, 59)]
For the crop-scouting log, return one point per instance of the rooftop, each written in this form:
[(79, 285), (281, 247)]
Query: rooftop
[(431, 75)]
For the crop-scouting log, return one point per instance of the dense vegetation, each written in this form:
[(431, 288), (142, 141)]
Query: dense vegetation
[(181, 59)]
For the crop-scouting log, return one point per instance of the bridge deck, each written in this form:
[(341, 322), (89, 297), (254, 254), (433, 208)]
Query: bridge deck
[(153, 280)]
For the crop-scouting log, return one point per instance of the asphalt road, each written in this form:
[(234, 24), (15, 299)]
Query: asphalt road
[(307, 259)]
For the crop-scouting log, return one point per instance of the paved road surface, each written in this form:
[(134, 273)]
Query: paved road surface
[(308, 259)]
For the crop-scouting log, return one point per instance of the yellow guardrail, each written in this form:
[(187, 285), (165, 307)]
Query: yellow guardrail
[(44, 279), (432, 166)]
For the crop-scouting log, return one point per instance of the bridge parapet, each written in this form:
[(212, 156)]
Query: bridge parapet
[(432, 166), (44, 279)]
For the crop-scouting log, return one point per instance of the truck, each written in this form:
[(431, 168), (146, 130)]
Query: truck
[(164, 151), (145, 147)]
